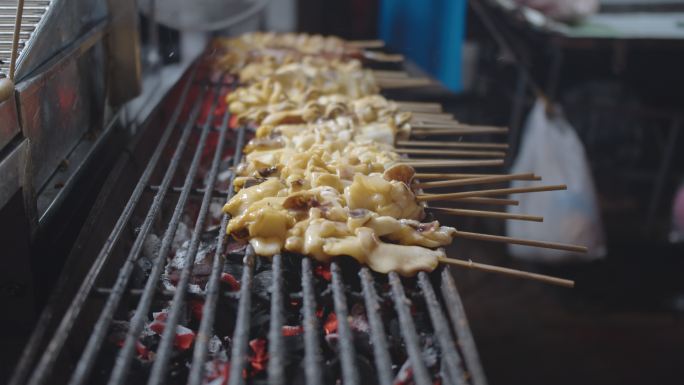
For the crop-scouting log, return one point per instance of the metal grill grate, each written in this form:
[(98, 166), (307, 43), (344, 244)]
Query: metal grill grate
[(33, 12), (383, 298)]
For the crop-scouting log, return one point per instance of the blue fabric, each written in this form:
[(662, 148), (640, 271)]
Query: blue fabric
[(429, 32)]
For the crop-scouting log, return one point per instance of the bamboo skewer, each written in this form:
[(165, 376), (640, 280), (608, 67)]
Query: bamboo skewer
[(470, 181), (388, 83), (427, 121), (455, 129), (479, 193), (366, 43), (444, 124), (490, 201), (419, 106), (465, 153), (518, 241), (428, 175), (415, 143), (456, 123), (509, 272), (390, 74), (485, 214), (431, 163), (383, 57), (433, 116)]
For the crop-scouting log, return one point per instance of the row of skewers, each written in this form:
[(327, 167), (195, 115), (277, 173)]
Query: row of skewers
[(331, 169)]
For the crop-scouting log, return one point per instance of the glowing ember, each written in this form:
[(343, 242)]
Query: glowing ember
[(197, 309), (184, 336), (233, 123), (289, 331), (260, 357), (143, 352), (323, 271), (331, 324), (231, 281)]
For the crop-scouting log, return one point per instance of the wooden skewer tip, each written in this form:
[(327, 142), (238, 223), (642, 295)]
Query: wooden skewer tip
[(485, 214), (509, 272), (518, 241)]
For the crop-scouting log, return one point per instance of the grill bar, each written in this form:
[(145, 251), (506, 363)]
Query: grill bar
[(459, 321), (441, 327), (212, 288), (46, 364), (123, 360), (312, 350), (408, 331), (105, 291), (198, 192), (96, 339), (159, 369), (241, 334), (350, 371), (383, 363), (275, 334)]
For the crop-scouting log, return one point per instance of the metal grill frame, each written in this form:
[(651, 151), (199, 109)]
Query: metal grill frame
[(460, 364)]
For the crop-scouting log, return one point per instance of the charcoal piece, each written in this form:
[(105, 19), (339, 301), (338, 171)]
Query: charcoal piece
[(178, 368), (262, 285), (362, 343), (297, 374), (259, 323), (332, 341), (233, 266), (225, 317), (331, 371), (262, 264), (294, 348), (235, 249), (366, 370), (137, 375), (143, 266), (117, 331), (209, 235), (292, 263)]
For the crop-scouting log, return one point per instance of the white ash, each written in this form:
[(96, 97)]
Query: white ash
[(215, 211), (179, 261), (183, 234), (358, 320), (214, 375), (216, 349), (193, 288), (150, 247), (224, 176)]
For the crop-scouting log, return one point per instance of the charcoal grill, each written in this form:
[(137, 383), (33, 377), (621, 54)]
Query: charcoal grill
[(292, 320)]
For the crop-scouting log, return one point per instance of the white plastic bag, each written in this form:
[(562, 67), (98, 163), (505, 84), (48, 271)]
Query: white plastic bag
[(563, 10), (551, 149)]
